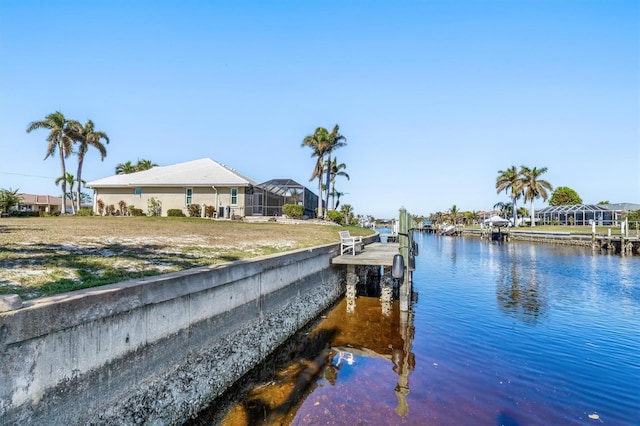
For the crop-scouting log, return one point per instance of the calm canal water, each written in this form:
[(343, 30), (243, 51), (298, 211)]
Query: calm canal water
[(513, 334)]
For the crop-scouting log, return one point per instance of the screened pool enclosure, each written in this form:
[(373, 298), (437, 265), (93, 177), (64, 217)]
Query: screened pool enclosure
[(580, 215)]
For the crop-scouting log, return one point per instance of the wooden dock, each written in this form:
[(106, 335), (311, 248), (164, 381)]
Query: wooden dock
[(373, 254)]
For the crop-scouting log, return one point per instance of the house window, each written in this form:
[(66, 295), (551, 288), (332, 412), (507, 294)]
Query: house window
[(189, 196), (234, 196)]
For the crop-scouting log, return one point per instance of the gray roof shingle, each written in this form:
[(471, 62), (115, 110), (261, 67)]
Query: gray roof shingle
[(202, 172)]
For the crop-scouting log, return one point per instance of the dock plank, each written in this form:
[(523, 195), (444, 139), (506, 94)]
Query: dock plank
[(373, 254)]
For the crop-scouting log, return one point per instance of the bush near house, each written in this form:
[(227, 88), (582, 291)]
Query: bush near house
[(294, 211), (209, 211), (194, 210), (123, 207), (335, 216), (175, 213), (100, 207), (154, 207), (86, 211)]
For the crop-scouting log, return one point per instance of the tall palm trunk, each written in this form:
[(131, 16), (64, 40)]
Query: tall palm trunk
[(533, 221), (79, 190), (320, 196), (73, 207), (328, 180), (63, 207)]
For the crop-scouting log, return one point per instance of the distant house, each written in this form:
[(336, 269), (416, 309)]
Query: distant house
[(42, 204), (204, 181), (486, 214), (585, 214)]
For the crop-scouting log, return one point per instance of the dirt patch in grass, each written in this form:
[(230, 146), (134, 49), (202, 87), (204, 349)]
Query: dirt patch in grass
[(44, 256)]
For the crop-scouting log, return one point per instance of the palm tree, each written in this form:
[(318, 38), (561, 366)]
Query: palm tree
[(337, 195), (145, 165), (436, 217), (534, 187), (453, 212), (295, 195), (336, 170), (87, 136), (9, 199), (58, 138), (70, 179), (471, 216), (318, 142), (510, 180), (336, 140), (347, 212), (125, 168), (505, 208)]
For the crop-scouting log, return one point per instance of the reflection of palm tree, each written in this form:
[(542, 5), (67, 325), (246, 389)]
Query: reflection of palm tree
[(519, 297)]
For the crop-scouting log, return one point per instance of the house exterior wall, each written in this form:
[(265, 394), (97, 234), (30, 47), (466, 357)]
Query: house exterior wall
[(173, 198)]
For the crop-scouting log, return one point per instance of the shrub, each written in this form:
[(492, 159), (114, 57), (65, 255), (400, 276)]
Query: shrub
[(154, 207), (295, 211), (335, 216), (135, 212), (111, 210), (100, 207), (16, 213), (123, 207), (209, 211), (194, 210), (175, 213), (86, 211)]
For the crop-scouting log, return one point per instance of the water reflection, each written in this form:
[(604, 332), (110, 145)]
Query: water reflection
[(520, 290), (318, 381)]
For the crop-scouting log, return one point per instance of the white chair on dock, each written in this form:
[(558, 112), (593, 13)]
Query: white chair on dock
[(347, 242)]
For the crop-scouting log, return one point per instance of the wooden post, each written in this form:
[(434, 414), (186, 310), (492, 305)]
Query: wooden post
[(404, 241)]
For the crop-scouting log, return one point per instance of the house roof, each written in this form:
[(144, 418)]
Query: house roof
[(280, 187), (34, 199), (283, 182), (202, 172), (45, 200), (625, 207)]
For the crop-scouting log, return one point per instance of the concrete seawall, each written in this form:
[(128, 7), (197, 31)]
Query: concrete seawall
[(610, 244), (156, 350)]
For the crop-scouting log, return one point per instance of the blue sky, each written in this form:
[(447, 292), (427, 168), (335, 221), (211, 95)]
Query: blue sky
[(434, 97)]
